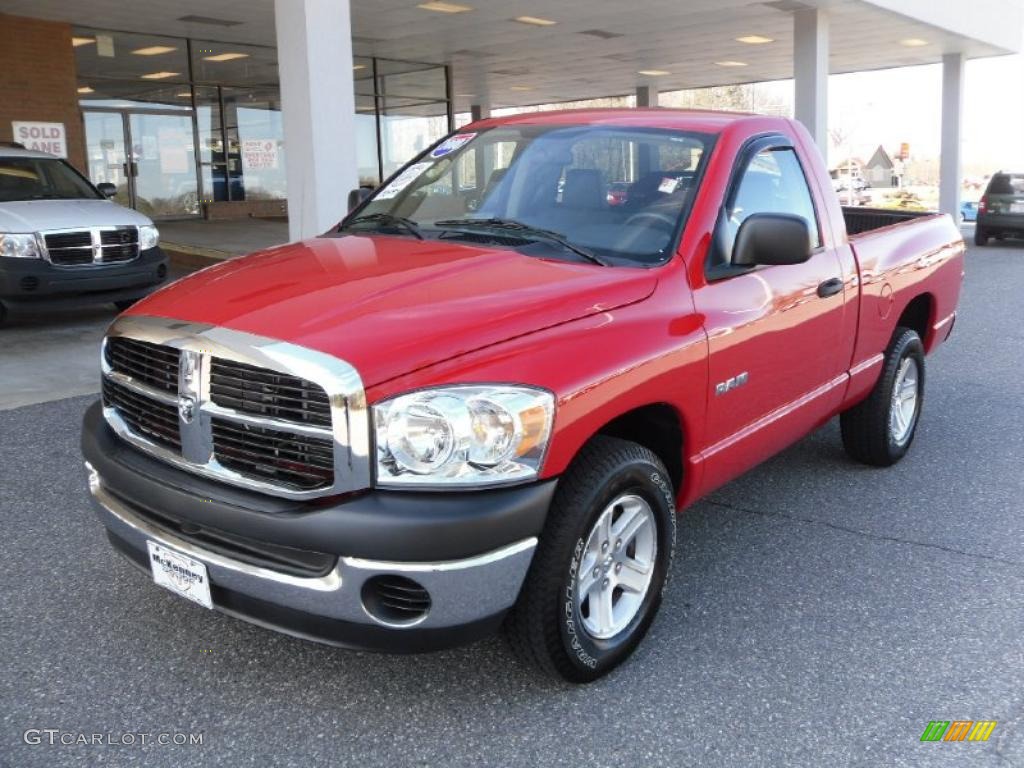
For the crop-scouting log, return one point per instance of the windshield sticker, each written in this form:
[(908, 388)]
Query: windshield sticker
[(403, 180), (668, 185), (451, 144)]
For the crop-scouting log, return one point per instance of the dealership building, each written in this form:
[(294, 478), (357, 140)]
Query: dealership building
[(266, 107)]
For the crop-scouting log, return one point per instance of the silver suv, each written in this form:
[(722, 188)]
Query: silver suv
[(62, 241)]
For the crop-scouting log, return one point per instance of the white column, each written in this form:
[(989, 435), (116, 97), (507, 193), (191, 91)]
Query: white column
[(950, 169), (479, 111), (810, 71), (314, 50), (646, 96)]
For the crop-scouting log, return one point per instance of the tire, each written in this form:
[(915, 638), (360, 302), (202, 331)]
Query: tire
[(872, 432), (124, 304), (549, 627), (980, 236)]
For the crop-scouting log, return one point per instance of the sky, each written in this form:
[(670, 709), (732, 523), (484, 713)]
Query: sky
[(889, 107)]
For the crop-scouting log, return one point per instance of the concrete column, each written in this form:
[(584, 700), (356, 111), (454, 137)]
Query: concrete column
[(314, 50), (479, 111), (950, 170), (810, 71), (646, 96)]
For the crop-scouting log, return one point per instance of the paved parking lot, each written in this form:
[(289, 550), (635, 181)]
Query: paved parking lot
[(819, 613)]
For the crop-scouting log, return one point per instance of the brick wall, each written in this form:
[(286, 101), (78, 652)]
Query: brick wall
[(37, 79)]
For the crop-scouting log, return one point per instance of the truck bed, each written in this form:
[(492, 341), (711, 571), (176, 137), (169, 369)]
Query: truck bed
[(860, 220)]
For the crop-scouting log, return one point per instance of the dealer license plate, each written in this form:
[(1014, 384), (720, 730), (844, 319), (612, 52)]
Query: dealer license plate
[(1016, 207), (180, 574)]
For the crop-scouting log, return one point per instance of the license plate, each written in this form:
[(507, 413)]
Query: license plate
[(1016, 207), (180, 574)]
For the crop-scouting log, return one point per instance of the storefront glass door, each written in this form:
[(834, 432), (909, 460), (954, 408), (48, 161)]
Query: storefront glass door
[(150, 156)]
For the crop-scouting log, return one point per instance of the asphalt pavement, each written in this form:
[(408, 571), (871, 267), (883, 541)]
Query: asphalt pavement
[(819, 613)]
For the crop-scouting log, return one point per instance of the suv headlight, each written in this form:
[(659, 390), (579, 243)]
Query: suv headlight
[(462, 436), (20, 246), (149, 237)]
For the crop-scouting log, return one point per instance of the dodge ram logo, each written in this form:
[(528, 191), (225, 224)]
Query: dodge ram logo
[(186, 408)]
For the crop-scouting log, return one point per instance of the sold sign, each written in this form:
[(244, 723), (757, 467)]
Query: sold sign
[(42, 137)]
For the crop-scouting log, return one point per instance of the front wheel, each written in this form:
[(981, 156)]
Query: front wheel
[(596, 580), (879, 430)]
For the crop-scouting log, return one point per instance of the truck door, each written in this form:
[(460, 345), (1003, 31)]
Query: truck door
[(776, 365)]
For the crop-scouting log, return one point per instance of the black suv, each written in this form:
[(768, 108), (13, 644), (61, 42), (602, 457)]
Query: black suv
[(1001, 210)]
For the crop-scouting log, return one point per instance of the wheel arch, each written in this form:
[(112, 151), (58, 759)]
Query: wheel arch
[(919, 316), (658, 427)]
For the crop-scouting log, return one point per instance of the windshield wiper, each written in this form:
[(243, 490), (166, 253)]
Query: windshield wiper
[(525, 231), (387, 219)]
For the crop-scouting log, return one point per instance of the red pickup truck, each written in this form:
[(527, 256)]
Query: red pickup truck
[(481, 400)]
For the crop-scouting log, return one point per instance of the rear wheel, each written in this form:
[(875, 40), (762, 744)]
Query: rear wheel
[(980, 236), (596, 579), (879, 430)]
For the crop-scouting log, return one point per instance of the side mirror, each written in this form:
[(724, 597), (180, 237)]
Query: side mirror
[(356, 197), (107, 189), (772, 238)]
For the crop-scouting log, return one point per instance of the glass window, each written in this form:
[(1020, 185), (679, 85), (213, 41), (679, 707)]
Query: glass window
[(414, 111), (142, 59), (553, 178), (774, 182), (35, 178), (234, 63), (255, 151)]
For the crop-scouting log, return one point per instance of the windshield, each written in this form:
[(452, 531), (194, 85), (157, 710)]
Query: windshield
[(41, 178), (612, 195)]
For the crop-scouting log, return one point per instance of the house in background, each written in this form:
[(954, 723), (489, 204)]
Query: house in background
[(882, 171)]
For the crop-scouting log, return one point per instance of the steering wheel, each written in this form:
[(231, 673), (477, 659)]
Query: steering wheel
[(659, 219)]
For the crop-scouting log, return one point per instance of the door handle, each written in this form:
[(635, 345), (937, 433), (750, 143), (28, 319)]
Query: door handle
[(830, 287)]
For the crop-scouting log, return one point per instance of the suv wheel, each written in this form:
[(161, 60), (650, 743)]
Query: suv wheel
[(980, 236), (596, 580), (879, 430)]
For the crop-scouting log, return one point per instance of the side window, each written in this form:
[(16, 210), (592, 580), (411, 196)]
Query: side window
[(774, 182)]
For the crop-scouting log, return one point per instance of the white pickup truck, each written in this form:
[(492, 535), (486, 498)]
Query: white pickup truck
[(62, 241)]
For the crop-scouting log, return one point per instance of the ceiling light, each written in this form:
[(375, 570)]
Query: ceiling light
[(913, 42), (77, 41), (442, 7), (160, 75), (755, 39), (535, 21), (520, 87), (184, 95), (154, 50), (226, 57), (85, 89), (358, 66), (654, 72), (731, 63)]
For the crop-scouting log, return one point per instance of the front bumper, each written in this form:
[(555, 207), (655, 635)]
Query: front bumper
[(469, 551), (36, 281)]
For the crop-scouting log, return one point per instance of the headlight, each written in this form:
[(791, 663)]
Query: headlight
[(19, 246), (149, 237), (462, 436)]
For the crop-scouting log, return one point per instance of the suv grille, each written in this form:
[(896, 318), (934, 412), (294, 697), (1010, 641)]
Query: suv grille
[(80, 247), (265, 425)]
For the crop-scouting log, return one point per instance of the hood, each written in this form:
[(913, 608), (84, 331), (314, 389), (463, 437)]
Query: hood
[(38, 215), (390, 305)]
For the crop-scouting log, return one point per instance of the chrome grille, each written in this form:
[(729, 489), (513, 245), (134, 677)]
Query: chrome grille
[(152, 364), (229, 405), (154, 420), (268, 393), (96, 246), (275, 455)]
